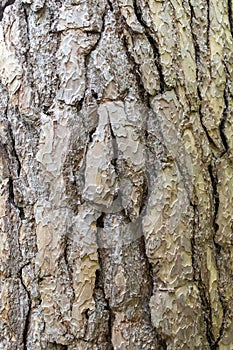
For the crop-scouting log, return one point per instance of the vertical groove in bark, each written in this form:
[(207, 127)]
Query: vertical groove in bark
[(27, 317), (99, 284), (224, 119), (229, 3), (198, 280), (153, 44), (208, 24)]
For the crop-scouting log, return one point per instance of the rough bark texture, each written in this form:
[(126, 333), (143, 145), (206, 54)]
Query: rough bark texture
[(116, 175)]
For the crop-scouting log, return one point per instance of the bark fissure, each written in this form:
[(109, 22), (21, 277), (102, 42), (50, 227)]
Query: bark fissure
[(143, 94), (14, 152), (214, 184), (208, 25), (28, 314), (195, 45), (204, 294), (154, 45), (69, 267), (114, 147), (197, 61), (12, 199), (224, 320), (216, 203), (229, 4), (3, 5), (79, 105), (99, 283), (211, 141), (206, 307), (110, 5), (223, 121)]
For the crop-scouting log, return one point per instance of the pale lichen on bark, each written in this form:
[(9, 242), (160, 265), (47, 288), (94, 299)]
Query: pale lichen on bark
[(116, 175)]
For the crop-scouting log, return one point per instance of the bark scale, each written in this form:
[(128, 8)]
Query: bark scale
[(116, 175)]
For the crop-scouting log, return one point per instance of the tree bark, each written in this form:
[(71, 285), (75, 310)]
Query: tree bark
[(116, 175)]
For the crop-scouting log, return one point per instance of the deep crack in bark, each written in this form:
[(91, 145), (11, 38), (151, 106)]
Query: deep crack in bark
[(28, 315), (154, 46), (3, 5), (211, 141), (216, 201), (12, 198), (230, 17), (206, 307), (214, 183), (208, 24), (223, 121), (14, 153), (99, 283)]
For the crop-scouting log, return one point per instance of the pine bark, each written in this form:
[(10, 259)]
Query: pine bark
[(116, 181)]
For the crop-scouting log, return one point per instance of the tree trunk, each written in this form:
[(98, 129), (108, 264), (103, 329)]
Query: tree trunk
[(116, 175)]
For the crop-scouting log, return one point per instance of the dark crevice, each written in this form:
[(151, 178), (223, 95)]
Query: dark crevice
[(3, 5), (193, 240), (28, 315), (222, 328), (229, 3), (14, 153), (99, 282), (110, 5), (91, 133), (143, 94), (207, 314), (69, 268), (145, 196), (206, 307), (154, 46), (99, 285), (211, 141), (223, 304), (195, 41), (208, 24), (157, 62), (66, 247), (12, 198), (94, 94), (25, 9), (135, 67), (87, 316), (214, 183), (197, 61), (79, 105), (100, 221), (114, 147), (223, 121)]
